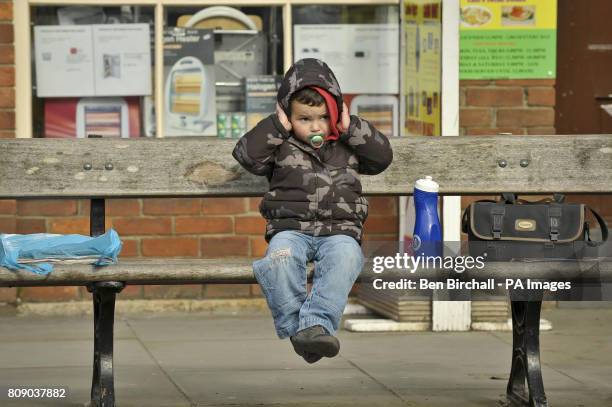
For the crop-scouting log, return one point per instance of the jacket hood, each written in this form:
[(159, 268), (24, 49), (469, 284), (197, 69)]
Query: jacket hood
[(304, 73)]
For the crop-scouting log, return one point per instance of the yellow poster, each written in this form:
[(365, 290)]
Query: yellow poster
[(508, 39), (423, 41)]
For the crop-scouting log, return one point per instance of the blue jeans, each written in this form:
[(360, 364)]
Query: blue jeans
[(281, 274)]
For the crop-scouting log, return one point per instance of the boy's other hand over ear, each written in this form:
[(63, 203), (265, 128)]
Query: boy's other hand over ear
[(282, 117), (345, 119)]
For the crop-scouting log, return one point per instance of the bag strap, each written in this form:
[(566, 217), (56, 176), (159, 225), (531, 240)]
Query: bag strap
[(465, 217), (497, 220), (602, 225), (512, 198), (554, 220)]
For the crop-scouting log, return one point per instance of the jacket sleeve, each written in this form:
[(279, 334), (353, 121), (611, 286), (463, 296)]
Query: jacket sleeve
[(255, 150), (371, 146)]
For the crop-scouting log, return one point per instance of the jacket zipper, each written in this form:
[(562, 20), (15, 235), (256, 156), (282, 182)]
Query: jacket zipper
[(316, 191)]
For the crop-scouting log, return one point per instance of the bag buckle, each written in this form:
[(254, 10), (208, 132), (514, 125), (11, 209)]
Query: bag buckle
[(497, 215), (554, 215)]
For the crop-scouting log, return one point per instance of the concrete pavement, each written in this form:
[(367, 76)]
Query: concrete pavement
[(178, 359)]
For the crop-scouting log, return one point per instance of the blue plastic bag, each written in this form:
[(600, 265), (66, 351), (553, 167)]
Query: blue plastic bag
[(36, 252)]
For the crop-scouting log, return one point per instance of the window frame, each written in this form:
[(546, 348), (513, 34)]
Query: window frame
[(23, 54)]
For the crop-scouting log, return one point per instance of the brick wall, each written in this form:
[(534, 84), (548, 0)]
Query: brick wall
[(507, 106), (206, 228), (7, 71)]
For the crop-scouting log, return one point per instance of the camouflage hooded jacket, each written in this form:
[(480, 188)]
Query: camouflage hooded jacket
[(316, 192)]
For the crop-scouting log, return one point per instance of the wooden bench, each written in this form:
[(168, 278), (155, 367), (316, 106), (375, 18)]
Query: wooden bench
[(98, 169)]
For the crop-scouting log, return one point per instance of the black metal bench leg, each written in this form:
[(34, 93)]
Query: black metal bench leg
[(102, 386), (525, 386)]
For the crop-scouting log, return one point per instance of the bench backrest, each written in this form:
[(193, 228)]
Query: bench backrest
[(112, 168)]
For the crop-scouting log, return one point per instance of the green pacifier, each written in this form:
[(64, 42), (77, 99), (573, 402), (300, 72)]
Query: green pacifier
[(316, 140)]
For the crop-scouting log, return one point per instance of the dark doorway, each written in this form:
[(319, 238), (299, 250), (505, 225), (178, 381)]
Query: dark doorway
[(584, 67)]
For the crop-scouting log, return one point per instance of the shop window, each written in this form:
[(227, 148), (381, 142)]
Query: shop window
[(93, 89), (361, 46)]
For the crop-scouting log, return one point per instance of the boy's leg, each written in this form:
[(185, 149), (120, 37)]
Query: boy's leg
[(338, 262), (282, 277)]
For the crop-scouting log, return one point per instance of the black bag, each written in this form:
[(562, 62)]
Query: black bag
[(513, 228)]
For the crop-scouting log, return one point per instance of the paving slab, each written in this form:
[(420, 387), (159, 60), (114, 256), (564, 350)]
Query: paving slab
[(176, 359)]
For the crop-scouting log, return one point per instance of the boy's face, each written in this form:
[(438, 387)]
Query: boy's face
[(308, 120)]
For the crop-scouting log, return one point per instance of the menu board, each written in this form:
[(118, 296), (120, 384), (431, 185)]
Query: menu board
[(508, 39)]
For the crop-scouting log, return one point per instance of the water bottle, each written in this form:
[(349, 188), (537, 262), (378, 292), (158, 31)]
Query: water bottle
[(427, 236)]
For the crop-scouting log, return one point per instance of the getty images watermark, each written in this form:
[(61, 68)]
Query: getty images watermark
[(411, 264)]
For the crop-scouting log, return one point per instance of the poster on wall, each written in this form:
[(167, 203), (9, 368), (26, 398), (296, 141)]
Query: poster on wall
[(508, 39), (423, 81), (189, 91), (364, 57), (103, 59)]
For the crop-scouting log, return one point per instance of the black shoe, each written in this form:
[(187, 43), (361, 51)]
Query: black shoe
[(308, 357), (316, 340)]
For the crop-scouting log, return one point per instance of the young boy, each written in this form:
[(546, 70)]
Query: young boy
[(314, 208)]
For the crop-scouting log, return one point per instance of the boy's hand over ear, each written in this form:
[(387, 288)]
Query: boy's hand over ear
[(345, 120), (282, 117)]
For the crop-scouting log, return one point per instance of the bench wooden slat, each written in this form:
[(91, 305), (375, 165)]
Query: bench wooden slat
[(188, 271), (54, 168)]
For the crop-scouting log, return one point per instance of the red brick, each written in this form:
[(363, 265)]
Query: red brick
[(525, 82), (225, 246), (254, 204), (382, 224), (222, 206), (494, 97), (526, 117), (6, 11), (204, 225), (31, 225), (541, 130), (8, 225), (131, 292), (258, 246), (170, 247), (47, 207), (382, 205), (49, 294), (142, 226), (7, 120), (8, 206), (6, 34), (7, 98), (8, 294), (171, 206), (492, 131), (85, 206), (7, 134), (475, 117), (69, 225), (7, 54), (129, 248), (173, 291), (7, 76), (541, 96), (227, 290), (123, 207), (250, 225)]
